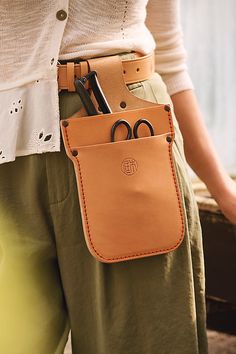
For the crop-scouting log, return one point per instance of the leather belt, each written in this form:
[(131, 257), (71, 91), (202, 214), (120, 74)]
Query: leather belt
[(134, 70)]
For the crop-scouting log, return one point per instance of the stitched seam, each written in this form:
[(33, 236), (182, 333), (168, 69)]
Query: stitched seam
[(142, 253), (175, 179), (124, 19)]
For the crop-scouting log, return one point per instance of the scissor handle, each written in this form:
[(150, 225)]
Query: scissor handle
[(143, 121), (116, 124)]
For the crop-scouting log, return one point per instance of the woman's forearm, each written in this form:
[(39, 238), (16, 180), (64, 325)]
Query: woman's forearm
[(199, 150)]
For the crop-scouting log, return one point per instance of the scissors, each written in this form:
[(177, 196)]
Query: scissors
[(129, 129)]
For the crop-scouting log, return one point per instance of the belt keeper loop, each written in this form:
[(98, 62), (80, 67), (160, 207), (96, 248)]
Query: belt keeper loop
[(84, 69), (70, 75)]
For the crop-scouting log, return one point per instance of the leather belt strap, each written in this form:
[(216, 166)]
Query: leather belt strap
[(134, 70)]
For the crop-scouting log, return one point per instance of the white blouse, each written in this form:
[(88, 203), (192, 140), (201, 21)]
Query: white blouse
[(35, 34)]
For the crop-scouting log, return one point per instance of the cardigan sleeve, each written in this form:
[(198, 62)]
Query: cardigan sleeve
[(163, 20)]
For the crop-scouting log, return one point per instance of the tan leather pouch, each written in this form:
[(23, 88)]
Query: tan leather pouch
[(129, 195)]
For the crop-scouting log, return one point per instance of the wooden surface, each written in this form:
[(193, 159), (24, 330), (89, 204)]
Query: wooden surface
[(219, 241)]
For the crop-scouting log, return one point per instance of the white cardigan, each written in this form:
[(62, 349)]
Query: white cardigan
[(35, 34)]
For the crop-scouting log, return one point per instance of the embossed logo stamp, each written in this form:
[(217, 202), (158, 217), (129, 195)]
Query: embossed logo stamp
[(129, 166)]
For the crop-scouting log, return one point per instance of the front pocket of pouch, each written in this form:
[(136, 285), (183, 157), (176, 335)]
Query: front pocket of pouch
[(130, 201)]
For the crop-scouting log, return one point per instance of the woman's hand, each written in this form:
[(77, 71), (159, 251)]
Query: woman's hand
[(227, 201)]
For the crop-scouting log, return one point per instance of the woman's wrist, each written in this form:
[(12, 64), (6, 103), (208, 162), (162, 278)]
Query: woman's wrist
[(226, 188), (218, 182), (220, 186), (227, 200)]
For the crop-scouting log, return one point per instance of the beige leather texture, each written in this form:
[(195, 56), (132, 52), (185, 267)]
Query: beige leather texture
[(128, 190), (134, 70)]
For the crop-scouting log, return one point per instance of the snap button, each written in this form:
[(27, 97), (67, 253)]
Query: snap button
[(61, 15)]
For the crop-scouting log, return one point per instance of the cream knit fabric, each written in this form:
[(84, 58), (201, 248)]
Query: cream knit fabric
[(33, 38)]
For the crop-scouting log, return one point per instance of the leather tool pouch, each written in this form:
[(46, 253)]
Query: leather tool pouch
[(128, 190)]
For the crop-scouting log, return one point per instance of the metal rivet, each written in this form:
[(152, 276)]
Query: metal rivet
[(123, 104), (169, 139), (167, 108), (74, 152), (65, 123), (61, 15)]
